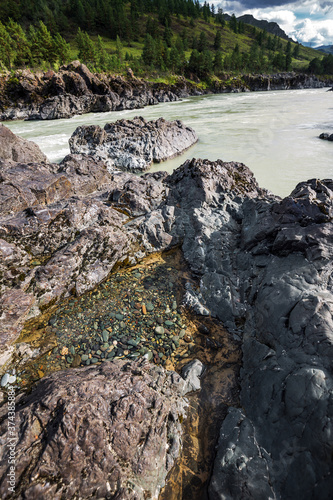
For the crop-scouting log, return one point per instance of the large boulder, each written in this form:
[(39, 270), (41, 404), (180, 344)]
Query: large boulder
[(133, 145), (112, 431), (15, 148)]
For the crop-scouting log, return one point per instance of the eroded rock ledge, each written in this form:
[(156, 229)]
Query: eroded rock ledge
[(265, 269), (75, 90), (133, 145)]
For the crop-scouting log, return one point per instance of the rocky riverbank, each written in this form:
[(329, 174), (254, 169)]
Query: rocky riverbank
[(75, 90), (264, 268)]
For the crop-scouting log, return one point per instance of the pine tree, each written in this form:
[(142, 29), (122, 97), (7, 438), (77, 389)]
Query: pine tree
[(149, 50), (296, 51), (61, 48), (87, 50), (7, 52), (45, 45), (218, 63), (202, 45), (218, 40), (20, 43), (233, 23), (167, 35)]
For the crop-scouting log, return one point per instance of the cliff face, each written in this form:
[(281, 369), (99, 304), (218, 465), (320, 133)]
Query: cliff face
[(75, 90)]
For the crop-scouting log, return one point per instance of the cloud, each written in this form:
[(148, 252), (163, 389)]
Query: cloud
[(314, 32), (308, 21)]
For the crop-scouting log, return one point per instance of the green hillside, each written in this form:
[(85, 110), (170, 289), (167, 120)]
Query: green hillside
[(156, 38)]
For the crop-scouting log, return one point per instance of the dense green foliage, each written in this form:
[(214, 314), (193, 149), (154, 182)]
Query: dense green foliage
[(322, 66), (152, 36)]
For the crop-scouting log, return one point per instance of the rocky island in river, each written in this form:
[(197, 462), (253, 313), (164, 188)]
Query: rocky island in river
[(110, 423)]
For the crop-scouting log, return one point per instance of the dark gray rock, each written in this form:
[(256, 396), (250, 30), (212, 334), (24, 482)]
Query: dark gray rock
[(96, 432), (265, 267), (133, 145), (241, 468), (326, 136)]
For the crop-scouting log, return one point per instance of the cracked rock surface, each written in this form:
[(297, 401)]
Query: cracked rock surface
[(133, 145), (111, 431)]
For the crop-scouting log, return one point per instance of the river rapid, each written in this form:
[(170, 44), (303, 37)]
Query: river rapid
[(274, 133)]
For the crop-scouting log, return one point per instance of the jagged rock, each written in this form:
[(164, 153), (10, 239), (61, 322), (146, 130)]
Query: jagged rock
[(133, 145), (15, 148), (326, 136), (96, 432), (265, 269)]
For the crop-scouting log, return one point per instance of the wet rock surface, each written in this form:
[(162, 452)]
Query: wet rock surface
[(133, 145), (264, 266), (326, 136), (97, 432)]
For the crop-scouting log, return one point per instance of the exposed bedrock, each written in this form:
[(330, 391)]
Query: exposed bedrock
[(75, 90), (108, 432), (265, 269), (133, 145)]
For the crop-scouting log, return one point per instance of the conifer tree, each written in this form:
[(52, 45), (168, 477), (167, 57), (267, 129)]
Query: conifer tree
[(218, 40), (7, 52), (61, 48), (149, 50), (167, 35), (202, 44), (20, 43), (218, 62)]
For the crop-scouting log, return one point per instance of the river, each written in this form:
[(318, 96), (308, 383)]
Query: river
[(273, 133)]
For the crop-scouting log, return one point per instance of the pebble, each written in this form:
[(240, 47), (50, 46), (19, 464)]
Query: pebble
[(5, 380), (123, 317)]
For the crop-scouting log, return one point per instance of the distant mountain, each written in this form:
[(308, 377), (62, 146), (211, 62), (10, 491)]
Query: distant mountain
[(328, 49), (270, 27)]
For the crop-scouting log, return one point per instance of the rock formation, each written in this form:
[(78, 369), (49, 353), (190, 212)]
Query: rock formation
[(133, 145), (15, 148), (103, 432), (75, 90), (326, 136), (265, 270)]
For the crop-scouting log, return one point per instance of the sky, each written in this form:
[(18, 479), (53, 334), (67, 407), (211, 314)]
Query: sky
[(308, 21)]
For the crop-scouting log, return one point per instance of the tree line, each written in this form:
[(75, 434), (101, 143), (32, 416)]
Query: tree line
[(190, 52)]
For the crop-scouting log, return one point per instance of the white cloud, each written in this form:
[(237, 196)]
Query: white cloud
[(308, 21), (314, 32)]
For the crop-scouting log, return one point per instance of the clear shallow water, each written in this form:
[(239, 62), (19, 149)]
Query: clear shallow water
[(273, 133)]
